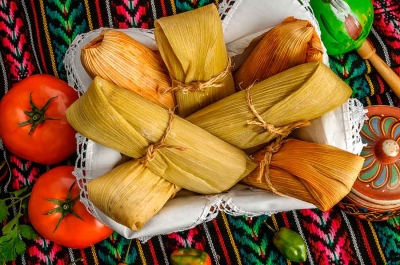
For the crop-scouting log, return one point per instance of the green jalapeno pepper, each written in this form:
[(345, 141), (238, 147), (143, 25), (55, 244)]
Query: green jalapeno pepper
[(190, 256), (290, 244)]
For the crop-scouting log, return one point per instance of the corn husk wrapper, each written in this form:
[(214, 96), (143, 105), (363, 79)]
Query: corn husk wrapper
[(316, 173), (119, 58), (130, 194), (300, 93), (193, 47), (125, 122), (291, 43)]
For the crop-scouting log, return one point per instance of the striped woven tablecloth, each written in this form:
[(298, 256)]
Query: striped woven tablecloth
[(34, 38)]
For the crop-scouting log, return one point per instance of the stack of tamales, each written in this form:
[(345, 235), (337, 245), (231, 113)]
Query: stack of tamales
[(208, 151), (169, 146)]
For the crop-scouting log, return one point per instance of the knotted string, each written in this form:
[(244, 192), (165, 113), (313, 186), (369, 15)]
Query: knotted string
[(271, 149), (274, 147), (200, 86), (153, 148), (282, 130)]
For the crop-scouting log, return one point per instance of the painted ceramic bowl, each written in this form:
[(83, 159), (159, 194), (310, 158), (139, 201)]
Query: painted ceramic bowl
[(375, 195)]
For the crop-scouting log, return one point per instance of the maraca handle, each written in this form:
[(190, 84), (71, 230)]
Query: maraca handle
[(367, 52)]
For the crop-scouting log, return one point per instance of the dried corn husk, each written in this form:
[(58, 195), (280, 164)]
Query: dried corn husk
[(315, 173), (193, 48), (188, 156), (300, 93), (119, 58), (291, 43), (130, 194)]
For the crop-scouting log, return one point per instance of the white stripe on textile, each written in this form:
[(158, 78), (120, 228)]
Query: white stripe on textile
[(299, 228), (384, 48), (110, 20), (213, 252), (166, 259), (32, 43), (353, 238)]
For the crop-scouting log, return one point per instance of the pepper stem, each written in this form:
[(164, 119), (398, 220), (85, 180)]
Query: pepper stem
[(75, 261)]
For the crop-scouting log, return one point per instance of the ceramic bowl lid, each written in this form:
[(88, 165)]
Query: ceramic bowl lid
[(378, 183)]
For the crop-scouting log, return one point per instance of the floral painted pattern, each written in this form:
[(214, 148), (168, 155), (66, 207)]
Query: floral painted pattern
[(378, 172)]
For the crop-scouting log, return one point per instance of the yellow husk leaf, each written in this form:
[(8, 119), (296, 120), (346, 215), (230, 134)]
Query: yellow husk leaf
[(119, 58), (124, 121), (291, 43), (130, 194), (303, 92), (319, 174), (193, 48)]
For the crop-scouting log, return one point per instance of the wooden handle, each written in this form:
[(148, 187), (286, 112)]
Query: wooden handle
[(367, 52)]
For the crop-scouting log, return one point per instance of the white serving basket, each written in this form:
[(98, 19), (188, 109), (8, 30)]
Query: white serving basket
[(241, 22)]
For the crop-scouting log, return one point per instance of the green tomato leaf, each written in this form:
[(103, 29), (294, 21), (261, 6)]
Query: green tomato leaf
[(20, 246), (5, 238), (3, 212), (27, 232), (18, 193), (2, 258), (10, 225), (8, 248)]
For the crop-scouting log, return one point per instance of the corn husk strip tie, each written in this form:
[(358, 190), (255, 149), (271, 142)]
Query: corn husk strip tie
[(152, 149), (284, 131), (265, 163), (198, 86)]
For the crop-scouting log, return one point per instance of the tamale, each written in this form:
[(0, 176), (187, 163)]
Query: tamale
[(119, 58), (315, 173), (301, 93), (175, 149), (130, 194), (193, 48), (290, 43)]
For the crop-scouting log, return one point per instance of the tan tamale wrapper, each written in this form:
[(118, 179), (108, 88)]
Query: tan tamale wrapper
[(301, 93), (189, 157), (290, 43), (130, 194), (119, 58), (193, 48), (316, 173)]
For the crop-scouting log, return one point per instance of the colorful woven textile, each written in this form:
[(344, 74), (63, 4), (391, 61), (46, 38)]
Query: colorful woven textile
[(34, 38)]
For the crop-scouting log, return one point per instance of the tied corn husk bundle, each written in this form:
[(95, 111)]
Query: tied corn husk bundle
[(137, 194), (193, 48), (257, 115), (291, 43), (119, 58), (168, 145), (315, 173)]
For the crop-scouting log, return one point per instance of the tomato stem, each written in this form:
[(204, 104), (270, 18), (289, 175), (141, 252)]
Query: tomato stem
[(65, 207), (36, 115)]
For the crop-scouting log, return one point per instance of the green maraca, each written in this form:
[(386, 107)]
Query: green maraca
[(345, 26)]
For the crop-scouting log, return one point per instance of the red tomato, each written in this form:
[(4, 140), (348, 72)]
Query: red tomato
[(33, 131), (50, 199)]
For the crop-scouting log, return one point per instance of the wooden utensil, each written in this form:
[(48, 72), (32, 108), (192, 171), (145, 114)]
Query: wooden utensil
[(345, 25)]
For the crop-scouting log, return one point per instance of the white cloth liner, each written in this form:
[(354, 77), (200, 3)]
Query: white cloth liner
[(241, 23)]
